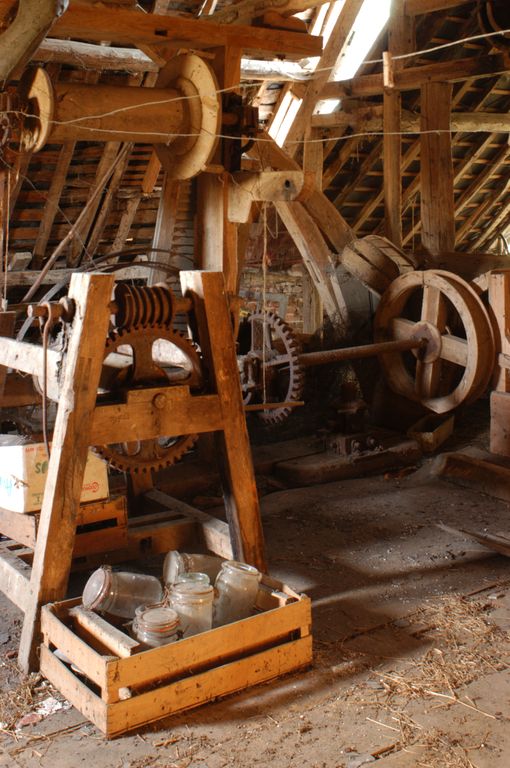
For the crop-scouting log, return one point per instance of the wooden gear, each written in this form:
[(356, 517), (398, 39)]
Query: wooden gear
[(144, 413)]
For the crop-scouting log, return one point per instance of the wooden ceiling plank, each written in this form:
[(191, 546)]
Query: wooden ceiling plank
[(420, 7), (109, 157), (125, 224), (492, 231), (52, 202), (481, 179), (247, 10), (108, 199)]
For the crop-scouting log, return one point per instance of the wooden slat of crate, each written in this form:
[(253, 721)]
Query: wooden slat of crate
[(116, 719), (22, 527), (210, 648), (193, 671)]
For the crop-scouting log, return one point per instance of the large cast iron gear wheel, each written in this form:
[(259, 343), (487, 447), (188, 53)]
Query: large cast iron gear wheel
[(268, 344), (148, 356)]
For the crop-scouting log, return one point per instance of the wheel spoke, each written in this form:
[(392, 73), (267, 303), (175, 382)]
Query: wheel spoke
[(402, 328), (433, 308), (454, 349), (428, 376)]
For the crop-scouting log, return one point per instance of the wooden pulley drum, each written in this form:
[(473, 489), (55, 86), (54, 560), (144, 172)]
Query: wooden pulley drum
[(456, 365), (184, 117), (375, 261)]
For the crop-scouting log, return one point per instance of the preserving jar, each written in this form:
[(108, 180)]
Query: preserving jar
[(236, 591), (193, 602), (180, 562), (120, 592), (156, 625)]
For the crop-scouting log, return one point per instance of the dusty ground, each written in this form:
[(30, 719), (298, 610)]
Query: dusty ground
[(411, 647)]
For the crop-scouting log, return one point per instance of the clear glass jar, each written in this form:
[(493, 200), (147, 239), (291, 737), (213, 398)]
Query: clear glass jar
[(236, 591), (193, 577), (120, 592), (193, 602), (180, 562), (156, 625)]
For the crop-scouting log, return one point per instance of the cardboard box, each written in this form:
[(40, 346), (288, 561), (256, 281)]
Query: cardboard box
[(23, 471)]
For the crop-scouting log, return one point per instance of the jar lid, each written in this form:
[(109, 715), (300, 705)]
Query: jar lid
[(97, 588), (238, 566), (192, 589), (195, 577), (157, 618)]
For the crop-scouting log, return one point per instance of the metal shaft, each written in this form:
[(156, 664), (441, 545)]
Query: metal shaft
[(355, 353)]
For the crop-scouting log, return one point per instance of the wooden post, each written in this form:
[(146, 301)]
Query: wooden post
[(400, 40), (165, 225), (212, 312), (57, 525), (392, 145), (437, 207)]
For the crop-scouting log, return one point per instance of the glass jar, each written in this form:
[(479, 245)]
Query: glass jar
[(180, 562), (193, 602), (156, 625), (193, 577), (236, 591), (120, 592)]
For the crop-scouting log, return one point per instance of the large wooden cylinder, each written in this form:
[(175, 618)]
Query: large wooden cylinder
[(114, 113), (183, 119)]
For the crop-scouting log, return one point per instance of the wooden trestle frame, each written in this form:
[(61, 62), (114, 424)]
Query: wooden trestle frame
[(81, 423)]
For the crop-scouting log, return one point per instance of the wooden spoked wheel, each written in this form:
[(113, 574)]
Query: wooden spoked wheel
[(456, 365)]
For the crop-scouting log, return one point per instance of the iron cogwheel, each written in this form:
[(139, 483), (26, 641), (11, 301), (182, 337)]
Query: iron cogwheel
[(284, 377), (145, 365)]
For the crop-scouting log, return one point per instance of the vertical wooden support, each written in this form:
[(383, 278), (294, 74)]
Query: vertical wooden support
[(7, 323), (499, 298), (207, 290), (165, 225), (392, 147), (313, 155), (210, 222), (400, 40), (437, 208), (57, 525)]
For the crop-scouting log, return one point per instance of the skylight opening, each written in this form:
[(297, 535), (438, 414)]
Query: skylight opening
[(370, 21)]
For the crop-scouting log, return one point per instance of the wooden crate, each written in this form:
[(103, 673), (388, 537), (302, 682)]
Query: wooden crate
[(162, 681)]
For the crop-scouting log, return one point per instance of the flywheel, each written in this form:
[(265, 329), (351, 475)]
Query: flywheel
[(148, 356), (456, 365), (269, 368)]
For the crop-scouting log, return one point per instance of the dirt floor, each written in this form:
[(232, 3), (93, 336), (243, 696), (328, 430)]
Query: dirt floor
[(411, 637)]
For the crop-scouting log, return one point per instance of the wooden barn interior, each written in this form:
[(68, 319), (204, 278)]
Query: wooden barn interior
[(255, 324)]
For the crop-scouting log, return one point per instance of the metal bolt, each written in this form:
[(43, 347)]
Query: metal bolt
[(159, 401)]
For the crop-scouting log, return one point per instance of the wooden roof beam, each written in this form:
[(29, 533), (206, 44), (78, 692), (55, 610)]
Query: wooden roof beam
[(246, 10), (124, 26), (420, 7), (370, 119), (132, 60), (412, 78), (31, 23)]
